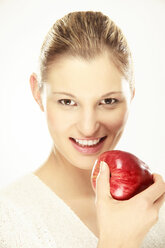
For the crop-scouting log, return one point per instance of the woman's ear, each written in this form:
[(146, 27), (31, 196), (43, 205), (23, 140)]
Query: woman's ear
[(35, 90), (133, 93)]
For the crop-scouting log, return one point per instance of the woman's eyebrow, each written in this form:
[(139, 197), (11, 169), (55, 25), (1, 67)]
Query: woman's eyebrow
[(71, 95)]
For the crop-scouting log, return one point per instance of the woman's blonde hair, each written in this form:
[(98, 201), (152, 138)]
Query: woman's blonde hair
[(86, 34)]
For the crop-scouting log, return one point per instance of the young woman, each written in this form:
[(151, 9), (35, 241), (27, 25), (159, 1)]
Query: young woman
[(85, 86)]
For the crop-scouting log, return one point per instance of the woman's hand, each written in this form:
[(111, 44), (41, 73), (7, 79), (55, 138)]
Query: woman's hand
[(124, 224)]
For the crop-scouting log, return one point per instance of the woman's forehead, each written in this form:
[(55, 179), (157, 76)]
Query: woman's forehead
[(85, 91), (68, 71)]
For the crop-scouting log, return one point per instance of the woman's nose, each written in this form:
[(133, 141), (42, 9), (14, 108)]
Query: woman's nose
[(88, 123)]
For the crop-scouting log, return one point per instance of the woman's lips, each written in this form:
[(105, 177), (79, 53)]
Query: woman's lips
[(88, 149)]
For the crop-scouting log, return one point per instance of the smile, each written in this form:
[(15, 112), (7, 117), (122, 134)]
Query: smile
[(88, 146), (89, 142)]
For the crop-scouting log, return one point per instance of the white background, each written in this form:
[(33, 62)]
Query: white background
[(24, 138)]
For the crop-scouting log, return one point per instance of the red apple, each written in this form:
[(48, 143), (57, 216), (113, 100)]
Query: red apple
[(128, 174)]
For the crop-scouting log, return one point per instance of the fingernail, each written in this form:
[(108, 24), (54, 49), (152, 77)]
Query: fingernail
[(102, 166)]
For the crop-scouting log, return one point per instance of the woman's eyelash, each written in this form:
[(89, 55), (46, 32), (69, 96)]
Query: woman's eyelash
[(110, 100), (66, 101)]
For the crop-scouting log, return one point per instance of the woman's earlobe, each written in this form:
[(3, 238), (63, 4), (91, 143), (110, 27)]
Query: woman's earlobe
[(36, 90), (133, 94)]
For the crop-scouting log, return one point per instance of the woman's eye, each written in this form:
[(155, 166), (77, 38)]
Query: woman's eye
[(110, 101), (66, 102)]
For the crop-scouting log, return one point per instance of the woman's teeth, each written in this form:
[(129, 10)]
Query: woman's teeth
[(87, 142)]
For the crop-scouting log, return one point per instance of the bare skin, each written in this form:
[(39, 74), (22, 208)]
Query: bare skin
[(67, 171), (78, 199)]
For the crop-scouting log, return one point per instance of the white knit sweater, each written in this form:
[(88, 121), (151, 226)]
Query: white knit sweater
[(33, 216)]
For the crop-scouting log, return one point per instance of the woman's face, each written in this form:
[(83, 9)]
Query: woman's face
[(85, 101)]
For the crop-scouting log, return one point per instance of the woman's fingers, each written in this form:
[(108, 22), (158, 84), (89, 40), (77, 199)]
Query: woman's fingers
[(102, 182), (155, 191), (154, 194)]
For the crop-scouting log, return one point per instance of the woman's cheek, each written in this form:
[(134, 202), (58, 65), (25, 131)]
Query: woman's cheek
[(117, 119), (58, 121), (52, 117)]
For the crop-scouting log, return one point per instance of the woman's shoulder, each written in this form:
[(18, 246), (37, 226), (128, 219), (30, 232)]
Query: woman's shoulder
[(29, 197), (17, 188), (21, 195), (11, 197), (21, 223), (11, 222)]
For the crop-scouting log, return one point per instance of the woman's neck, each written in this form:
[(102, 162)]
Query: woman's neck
[(65, 179)]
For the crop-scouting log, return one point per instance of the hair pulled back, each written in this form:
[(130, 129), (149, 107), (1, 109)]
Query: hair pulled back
[(86, 34)]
